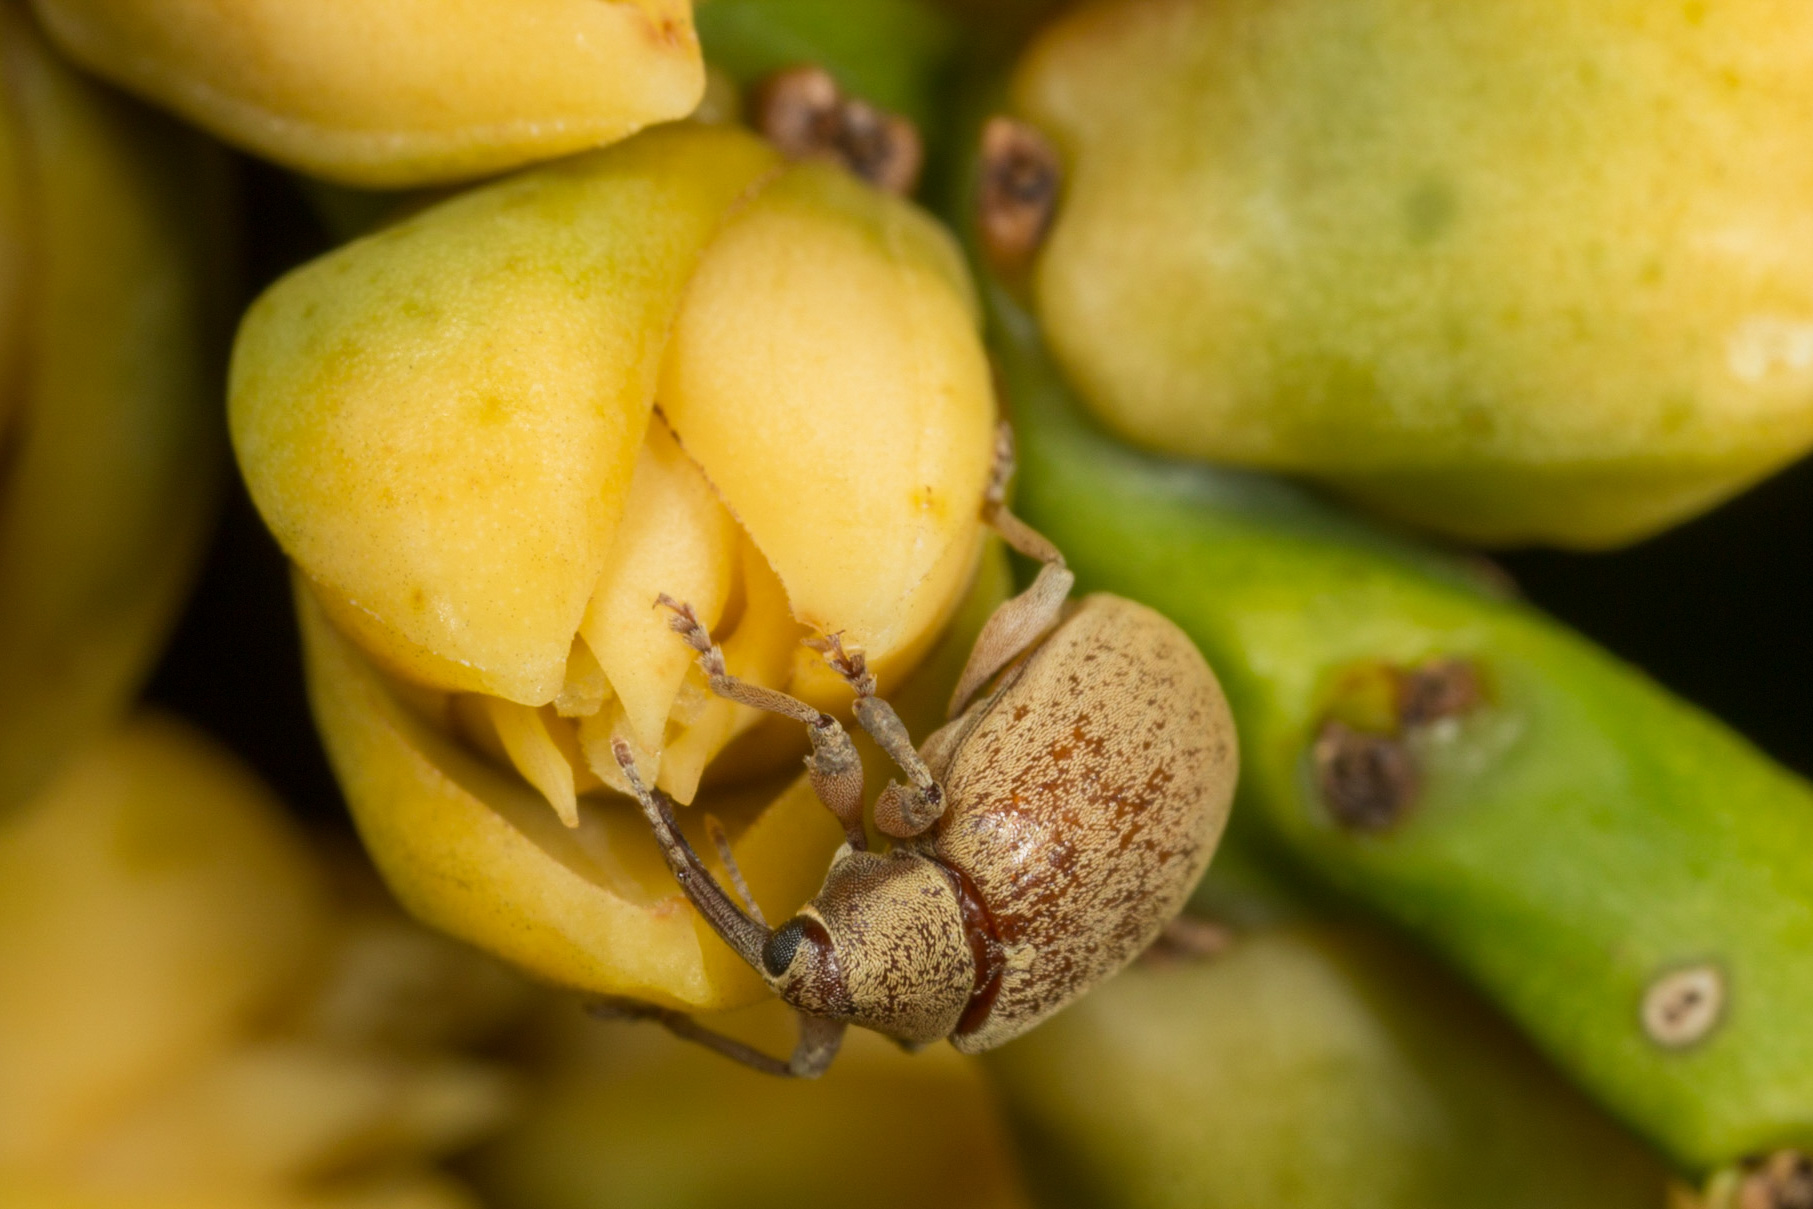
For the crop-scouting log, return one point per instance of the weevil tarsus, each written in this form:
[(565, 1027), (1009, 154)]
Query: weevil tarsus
[(813, 1053), (833, 767), (903, 810)]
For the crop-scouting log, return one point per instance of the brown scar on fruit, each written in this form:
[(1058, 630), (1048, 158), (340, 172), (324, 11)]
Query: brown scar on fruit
[(1367, 779), (1441, 688), (804, 113), (1783, 1180), (1017, 193)]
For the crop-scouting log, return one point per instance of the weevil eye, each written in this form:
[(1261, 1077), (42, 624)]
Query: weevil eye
[(778, 953), (801, 962)]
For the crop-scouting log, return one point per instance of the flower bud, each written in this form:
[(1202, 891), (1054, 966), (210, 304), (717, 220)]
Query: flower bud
[(625, 1116), (493, 435), (391, 93), (112, 233)]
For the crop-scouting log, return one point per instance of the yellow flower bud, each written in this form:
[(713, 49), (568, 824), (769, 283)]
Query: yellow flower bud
[(629, 1117), (185, 1021), (390, 93), (111, 270), (492, 435)]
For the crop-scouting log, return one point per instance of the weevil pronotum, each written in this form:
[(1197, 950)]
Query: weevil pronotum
[(1043, 837)]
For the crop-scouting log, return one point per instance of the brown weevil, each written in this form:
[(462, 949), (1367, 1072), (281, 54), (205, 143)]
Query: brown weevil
[(1043, 837)]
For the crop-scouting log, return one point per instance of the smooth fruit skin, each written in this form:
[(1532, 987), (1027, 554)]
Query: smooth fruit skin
[(1576, 838), (115, 227), (1308, 1065), (1514, 271), (397, 93)]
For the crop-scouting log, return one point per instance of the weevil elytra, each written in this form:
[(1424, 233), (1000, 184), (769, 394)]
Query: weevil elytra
[(1043, 837)]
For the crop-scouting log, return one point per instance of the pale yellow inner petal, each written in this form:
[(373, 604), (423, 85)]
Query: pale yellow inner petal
[(524, 734), (759, 650), (675, 538)]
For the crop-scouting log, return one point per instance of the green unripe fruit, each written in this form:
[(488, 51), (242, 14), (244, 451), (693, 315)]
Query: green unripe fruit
[(1623, 876), (1307, 1066)]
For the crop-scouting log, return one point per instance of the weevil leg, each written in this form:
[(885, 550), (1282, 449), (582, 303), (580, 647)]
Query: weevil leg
[(812, 1053), (901, 810), (1018, 624), (833, 767), (740, 932)]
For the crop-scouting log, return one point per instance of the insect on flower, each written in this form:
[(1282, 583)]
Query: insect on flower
[(1043, 837)]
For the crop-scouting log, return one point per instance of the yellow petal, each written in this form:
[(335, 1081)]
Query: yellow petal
[(275, 1114), (439, 422), (397, 92), (698, 1130), (760, 650), (525, 737), (474, 851), (677, 539), (825, 373)]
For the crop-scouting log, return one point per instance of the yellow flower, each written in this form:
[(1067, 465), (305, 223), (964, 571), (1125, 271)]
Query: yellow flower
[(492, 435)]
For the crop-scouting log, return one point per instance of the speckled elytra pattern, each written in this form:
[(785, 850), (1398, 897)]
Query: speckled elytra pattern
[(1085, 800)]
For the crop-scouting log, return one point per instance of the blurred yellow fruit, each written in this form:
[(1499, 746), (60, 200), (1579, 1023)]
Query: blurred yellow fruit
[(1517, 270), (391, 93), (114, 232), (187, 1020), (627, 1117)]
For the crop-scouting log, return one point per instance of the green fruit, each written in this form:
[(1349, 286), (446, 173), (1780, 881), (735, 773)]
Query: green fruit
[(1561, 830), (1514, 270)]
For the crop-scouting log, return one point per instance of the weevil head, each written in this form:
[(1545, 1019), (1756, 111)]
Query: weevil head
[(883, 945)]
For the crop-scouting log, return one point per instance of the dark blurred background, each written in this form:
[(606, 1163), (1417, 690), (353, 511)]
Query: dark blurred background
[(1720, 610)]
